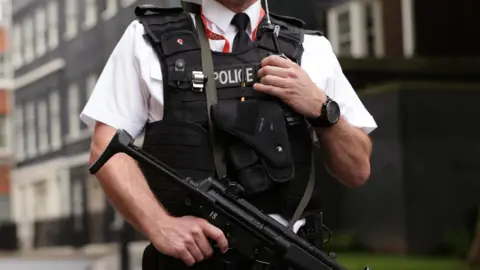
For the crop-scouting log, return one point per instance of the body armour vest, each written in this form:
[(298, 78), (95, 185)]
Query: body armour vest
[(267, 146)]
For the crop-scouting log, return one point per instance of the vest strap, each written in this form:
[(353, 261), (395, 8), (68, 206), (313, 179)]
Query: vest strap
[(309, 189), (211, 96)]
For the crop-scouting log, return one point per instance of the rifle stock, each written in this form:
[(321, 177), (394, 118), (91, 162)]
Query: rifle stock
[(248, 230)]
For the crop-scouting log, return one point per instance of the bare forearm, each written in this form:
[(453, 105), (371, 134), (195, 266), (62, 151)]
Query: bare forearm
[(347, 151), (126, 188)]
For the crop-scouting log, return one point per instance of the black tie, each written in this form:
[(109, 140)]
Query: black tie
[(242, 40)]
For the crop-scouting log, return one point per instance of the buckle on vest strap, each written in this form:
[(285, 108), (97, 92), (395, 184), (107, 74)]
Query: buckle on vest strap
[(198, 81)]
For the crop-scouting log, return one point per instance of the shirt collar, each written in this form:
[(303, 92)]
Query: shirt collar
[(221, 16)]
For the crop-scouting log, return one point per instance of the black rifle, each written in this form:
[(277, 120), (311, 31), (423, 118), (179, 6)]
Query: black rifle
[(248, 230)]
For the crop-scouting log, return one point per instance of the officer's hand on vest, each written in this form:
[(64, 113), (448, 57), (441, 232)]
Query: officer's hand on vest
[(186, 238), (286, 80)]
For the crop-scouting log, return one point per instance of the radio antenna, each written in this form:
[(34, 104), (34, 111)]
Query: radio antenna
[(268, 12)]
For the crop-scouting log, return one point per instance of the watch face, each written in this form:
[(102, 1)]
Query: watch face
[(333, 112)]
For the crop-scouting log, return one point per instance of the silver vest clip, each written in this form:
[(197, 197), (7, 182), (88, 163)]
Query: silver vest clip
[(198, 81)]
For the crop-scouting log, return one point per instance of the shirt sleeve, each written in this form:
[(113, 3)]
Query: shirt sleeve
[(336, 85), (118, 98)]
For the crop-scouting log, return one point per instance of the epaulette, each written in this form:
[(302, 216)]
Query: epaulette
[(142, 10), (313, 32), (291, 20)]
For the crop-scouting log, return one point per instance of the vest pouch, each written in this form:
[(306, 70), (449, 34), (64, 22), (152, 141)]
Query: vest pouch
[(183, 146), (249, 172), (178, 41), (261, 126)]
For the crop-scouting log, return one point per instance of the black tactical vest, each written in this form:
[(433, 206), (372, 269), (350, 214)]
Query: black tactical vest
[(267, 145)]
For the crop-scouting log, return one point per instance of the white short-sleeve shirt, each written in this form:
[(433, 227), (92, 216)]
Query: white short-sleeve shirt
[(129, 91)]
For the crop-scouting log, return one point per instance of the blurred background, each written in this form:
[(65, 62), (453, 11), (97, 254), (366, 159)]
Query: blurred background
[(414, 63)]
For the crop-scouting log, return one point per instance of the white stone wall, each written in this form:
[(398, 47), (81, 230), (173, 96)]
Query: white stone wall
[(25, 206)]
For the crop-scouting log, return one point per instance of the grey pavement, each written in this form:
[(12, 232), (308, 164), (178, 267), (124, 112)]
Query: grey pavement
[(44, 264), (106, 259)]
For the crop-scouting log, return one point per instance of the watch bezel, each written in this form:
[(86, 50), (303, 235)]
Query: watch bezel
[(332, 116), (325, 119)]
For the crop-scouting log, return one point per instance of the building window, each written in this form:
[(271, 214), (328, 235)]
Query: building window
[(19, 136), (42, 126), (71, 16), (90, 13), (31, 132), (344, 33), (53, 31), (96, 198), (126, 3), (17, 47), (55, 124), (110, 9), (40, 24), (73, 108), (3, 65), (3, 131), (28, 52), (90, 84), (23, 203), (40, 196), (77, 203), (355, 29)]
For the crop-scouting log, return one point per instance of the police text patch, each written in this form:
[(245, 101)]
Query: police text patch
[(235, 76)]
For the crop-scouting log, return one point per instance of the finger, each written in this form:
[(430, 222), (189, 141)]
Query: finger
[(275, 81), (196, 252), (268, 89), (275, 71), (275, 60), (204, 245), (215, 234), (187, 258)]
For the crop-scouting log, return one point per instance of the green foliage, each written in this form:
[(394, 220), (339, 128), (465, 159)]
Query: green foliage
[(345, 242), (457, 243), (392, 262)]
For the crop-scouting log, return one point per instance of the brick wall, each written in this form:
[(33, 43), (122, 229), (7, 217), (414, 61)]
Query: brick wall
[(4, 179), (3, 39), (4, 102), (392, 25)]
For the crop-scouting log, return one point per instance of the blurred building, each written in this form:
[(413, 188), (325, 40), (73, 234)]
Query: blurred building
[(424, 182), (403, 28), (60, 48), (5, 111)]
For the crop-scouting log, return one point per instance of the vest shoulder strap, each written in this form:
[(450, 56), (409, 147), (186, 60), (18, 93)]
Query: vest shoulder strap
[(313, 32), (290, 36), (150, 9), (165, 26), (288, 20)]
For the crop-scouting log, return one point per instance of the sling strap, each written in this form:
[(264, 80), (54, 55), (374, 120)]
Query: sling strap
[(211, 96), (310, 185)]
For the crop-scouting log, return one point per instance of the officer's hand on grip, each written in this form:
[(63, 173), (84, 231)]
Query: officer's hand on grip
[(186, 238), (285, 79)]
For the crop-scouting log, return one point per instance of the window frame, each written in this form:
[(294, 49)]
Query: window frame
[(52, 24)]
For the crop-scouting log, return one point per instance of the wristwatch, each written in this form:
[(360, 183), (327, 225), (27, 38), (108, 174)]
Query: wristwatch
[(329, 116)]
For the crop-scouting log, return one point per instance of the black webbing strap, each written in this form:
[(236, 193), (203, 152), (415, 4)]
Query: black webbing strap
[(310, 186), (211, 95)]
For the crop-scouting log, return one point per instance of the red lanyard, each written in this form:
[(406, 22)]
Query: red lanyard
[(213, 36)]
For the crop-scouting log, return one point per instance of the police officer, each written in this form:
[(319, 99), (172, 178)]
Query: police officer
[(266, 105)]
